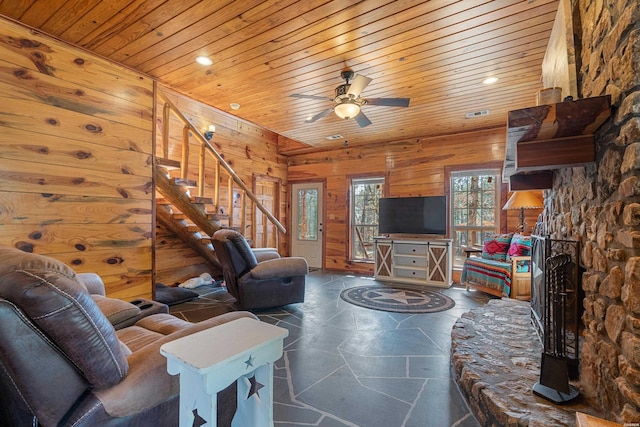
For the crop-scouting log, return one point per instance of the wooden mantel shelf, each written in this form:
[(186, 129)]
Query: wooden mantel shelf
[(554, 136)]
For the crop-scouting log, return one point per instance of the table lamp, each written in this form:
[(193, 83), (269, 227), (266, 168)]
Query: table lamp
[(524, 200)]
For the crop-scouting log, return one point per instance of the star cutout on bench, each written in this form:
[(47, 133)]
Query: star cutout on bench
[(197, 419), (255, 387), (249, 362)]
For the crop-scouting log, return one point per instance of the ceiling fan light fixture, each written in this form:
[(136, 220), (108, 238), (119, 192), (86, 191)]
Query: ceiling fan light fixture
[(347, 109)]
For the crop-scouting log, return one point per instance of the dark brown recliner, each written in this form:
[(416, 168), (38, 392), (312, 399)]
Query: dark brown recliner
[(62, 362), (257, 285)]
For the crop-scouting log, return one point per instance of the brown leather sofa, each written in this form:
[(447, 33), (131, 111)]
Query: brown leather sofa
[(63, 363), (256, 279)]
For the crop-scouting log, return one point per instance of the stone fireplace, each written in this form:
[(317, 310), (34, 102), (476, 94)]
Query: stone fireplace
[(599, 205)]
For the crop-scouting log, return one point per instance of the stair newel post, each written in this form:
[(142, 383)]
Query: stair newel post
[(185, 153), (230, 200), (216, 186), (265, 230), (201, 170), (166, 110), (243, 212)]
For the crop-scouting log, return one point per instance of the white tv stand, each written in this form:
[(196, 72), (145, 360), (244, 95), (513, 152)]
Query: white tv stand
[(416, 260)]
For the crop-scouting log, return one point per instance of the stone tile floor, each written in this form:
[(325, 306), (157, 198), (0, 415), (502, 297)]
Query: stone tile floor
[(349, 366)]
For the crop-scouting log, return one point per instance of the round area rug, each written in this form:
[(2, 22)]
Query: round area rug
[(397, 298)]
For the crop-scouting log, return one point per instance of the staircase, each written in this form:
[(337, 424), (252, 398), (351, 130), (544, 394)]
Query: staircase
[(191, 218)]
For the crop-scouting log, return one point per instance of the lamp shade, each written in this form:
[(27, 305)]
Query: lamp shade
[(347, 109), (524, 200)]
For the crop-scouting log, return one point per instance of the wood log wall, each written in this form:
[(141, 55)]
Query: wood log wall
[(249, 149), (76, 159), (76, 147), (412, 168)]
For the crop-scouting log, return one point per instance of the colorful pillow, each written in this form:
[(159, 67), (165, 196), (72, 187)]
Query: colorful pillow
[(520, 245), (496, 246)]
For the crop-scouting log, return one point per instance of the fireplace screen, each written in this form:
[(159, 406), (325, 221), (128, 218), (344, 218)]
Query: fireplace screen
[(555, 297)]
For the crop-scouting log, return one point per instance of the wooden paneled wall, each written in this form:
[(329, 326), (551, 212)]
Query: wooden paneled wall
[(249, 149), (76, 159), (412, 168)]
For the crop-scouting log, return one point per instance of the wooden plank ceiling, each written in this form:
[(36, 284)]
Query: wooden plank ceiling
[(436, 52)]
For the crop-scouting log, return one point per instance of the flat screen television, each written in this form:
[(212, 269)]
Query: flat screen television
[(412, 215)]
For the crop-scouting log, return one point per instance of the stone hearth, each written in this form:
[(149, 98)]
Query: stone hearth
[(495, 355)]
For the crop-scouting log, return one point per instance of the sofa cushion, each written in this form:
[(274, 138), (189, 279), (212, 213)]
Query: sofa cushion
[(47, 291), (520, 246), (496, 246)]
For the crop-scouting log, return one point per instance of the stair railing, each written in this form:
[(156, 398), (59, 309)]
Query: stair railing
[(205, 146)]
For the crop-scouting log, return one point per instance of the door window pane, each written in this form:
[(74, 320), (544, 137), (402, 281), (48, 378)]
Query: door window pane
[(308, 214)]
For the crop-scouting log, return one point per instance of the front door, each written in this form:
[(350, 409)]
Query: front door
[(306, 216)]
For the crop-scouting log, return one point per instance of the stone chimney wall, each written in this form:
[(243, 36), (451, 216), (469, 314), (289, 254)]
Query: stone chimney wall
[(599, 205)]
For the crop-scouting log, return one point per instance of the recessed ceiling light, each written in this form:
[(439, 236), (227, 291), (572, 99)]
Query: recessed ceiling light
[(204, 60), (490, 80), (234, 105)]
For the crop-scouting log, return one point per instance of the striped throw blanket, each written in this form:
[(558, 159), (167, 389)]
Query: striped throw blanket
[(487, 272)]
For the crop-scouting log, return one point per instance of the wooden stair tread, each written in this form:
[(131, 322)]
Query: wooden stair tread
[(168, 163), (187, 183), (202, 200)]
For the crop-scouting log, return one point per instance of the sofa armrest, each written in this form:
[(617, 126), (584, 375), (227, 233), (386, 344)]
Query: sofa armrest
[(471, 250), (117, 311), (522, 260), (280, 267), (264, 254), (92, 282)]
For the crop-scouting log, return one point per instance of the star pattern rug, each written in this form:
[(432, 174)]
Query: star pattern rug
[(397, 298)]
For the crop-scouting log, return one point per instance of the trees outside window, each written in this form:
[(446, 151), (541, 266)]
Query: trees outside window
[(475, 195), (307, 214), (364, 216)]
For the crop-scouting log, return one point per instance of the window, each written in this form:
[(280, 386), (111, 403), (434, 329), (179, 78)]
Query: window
[(474, 199), (308, 214), (364, 216)]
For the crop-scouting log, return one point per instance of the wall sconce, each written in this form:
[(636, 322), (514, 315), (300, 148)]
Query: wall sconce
[(209, 132)]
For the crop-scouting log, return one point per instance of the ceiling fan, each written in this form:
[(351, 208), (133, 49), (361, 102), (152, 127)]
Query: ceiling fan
[(348, 103)]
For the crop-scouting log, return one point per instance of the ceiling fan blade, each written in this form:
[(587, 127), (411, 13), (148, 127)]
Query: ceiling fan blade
[(357, 85), (389, 102), (297, 95), (319, 115), (362, 120)]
